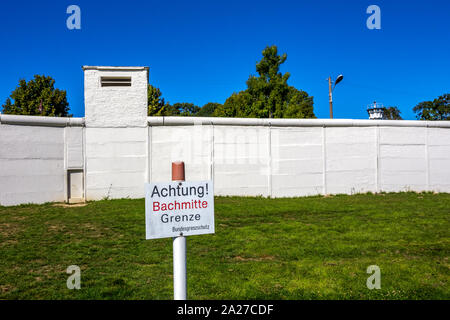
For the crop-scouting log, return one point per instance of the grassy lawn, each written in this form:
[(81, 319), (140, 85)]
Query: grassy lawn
[(302, 248)]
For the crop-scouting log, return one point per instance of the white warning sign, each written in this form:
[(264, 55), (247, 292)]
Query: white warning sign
[(176, 208)]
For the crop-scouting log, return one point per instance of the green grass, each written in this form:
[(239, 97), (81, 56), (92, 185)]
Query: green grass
[(302, 248)]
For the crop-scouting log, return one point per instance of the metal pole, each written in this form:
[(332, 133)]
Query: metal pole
[(331, 98), (179, 247), (179, 269)]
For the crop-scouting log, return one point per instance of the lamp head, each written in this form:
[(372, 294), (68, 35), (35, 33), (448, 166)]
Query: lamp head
[(339, 79)]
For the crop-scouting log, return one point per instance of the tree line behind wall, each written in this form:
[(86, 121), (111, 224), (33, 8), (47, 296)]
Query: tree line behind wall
[(268, 95)]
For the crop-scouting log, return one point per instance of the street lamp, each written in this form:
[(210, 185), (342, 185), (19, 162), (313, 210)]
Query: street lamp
[(338, 79)]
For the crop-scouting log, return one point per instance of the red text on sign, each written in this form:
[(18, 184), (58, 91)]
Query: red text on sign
[(187, 205)]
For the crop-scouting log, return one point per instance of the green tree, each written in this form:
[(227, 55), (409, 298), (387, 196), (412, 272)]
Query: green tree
[(155, 101), (299, 105), (270, 89), (438, 109), (236, 106), (170, 110), (157, 106), (392, 113), (186, 109), (208, 109), (268, 95), (37, 97)]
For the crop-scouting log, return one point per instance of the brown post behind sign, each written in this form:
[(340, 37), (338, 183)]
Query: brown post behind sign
[(178, 171)]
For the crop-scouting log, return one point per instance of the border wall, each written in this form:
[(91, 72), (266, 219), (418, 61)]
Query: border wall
[(116, 148)]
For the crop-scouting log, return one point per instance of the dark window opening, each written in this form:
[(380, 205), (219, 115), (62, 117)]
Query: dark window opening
[(116, 81)]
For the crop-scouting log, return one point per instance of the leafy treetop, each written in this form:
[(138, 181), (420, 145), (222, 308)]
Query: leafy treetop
[(268, 95), (438, 109), (392, 113), (37, 97)]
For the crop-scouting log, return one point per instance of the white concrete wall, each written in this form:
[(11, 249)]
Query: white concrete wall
[(350, 154), (46, 159), (438, 158), (34, 156), (116, 163), (287, 158), (169, 144), (241, 160), (116, 148), (297, 161), (403, 159), (31, 164)]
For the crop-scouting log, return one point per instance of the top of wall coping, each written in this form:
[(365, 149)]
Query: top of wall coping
[(189, 121), (114, 68), (41, 121), (185, 121)]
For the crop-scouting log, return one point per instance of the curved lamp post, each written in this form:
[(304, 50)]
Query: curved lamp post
[(331, 88)]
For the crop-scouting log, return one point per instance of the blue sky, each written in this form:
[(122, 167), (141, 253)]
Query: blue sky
[(203, 51)]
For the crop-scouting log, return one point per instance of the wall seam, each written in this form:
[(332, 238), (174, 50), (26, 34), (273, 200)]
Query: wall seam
[(211, 173), (377, 160), (85, 193), (66, 174), (427, 157), (324, 164), (270, 162), (150, 153)]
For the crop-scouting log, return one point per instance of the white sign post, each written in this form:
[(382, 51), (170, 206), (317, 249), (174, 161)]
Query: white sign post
[(178, 209)]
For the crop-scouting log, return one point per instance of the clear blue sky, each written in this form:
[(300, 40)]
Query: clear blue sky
[(202, 51)]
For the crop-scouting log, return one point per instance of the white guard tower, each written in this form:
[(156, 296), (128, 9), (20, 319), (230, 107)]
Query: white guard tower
[(116, 132), (376, 111)]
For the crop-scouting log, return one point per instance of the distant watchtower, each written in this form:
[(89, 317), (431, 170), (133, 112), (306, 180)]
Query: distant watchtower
[(376, 111)]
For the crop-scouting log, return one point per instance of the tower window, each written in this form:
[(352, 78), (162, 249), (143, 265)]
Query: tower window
[(116, 81)]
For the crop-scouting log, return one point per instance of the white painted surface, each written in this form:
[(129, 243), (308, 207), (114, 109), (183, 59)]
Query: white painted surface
[(350, 165), (241, 160), (179, 208), (116, 149), (74, 147), (116, 162), (296, 161), (179, 268), (252, 158), (296, 157), (75, 185), (116, 133), (185, 121), (169, 144), (35, 153), (31, 164), (439, 160), (115, 106)]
